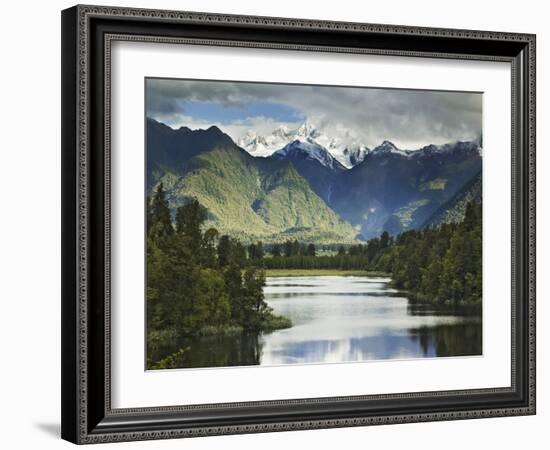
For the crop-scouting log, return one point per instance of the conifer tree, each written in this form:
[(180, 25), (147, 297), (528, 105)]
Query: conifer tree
[(161, 222), (276, 250)]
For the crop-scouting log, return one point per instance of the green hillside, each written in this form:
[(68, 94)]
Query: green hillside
[(254, 198), (294, 196)]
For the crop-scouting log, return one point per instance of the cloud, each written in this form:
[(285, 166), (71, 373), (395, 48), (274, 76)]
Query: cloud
[(260, 124), (409, 118)]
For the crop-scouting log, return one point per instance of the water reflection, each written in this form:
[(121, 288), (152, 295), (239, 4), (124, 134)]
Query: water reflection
[(462, 339), (337, 319), (212, 351)]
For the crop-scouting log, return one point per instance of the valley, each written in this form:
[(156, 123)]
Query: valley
[(301, 191)]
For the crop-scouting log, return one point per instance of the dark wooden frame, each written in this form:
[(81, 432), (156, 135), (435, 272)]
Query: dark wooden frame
[(87, 32)]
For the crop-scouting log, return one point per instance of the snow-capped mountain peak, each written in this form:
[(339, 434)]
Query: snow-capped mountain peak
[(356, 155), (463, 147), (309, 149), (459, 146), (386, 147), (389, 147), (307, 130), (340, 143), (281, 131)]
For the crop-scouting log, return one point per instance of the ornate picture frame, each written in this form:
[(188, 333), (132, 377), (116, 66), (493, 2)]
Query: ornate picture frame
[(88, 33)]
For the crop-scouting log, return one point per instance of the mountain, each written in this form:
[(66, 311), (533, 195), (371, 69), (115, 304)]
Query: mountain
[(355, 155), (455, 209), (302, 191), (246, 197), (390, 189), (169, 149), (395, 190), (310, 150), (341, 143), (315, 164), (258, 145), (389, 148)]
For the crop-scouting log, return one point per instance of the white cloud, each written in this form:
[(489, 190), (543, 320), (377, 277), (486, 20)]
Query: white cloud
[(262, 125), (409, 118)]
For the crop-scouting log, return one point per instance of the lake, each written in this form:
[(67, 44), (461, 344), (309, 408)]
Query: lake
[(340, 319)]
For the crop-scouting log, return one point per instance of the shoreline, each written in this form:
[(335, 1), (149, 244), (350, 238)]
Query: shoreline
[(278, 273), (415, 299)]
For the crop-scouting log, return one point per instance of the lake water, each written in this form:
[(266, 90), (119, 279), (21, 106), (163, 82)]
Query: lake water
[(341, 319)]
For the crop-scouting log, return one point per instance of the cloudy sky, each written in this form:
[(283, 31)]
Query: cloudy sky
[(408, 118)]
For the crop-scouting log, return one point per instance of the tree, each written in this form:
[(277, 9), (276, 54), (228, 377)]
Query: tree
[(210, 303), (148, 213), (224, 251), (276, 250), (238, 253), (373, 246), (169, 283), (311, 250), (259, 251), (437, 265), (234, 286), (209, 254), (194, 279), (189, 219), (252, 253), (431, 279), (295, 248), (159, 215), (255, 309), (288, 248), (384, 240)]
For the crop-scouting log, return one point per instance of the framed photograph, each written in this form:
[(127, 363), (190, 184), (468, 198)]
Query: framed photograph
[(279, 224)]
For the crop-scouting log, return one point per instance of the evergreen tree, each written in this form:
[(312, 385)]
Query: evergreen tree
[(255, 306), (189, 220), (224, 251), (209, 253), (234, 285), (295, 248), (276, 250), (159, 215), (373, 247), (259, 251), (148, 213), (238, 253), (252, 252), (194, 281), (210, 304), (288, 248), (384, 240)]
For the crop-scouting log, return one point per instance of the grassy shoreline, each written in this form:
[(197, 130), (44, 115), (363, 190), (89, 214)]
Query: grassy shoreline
[(272, 322), (322, 272)]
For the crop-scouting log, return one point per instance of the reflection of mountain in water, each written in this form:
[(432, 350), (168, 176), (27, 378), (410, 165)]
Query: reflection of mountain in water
[(336, 319)]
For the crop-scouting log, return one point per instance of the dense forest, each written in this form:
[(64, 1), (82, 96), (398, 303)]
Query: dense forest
[(198, 282), (201, 283), (440, 265)]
